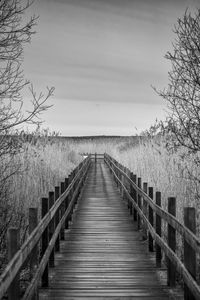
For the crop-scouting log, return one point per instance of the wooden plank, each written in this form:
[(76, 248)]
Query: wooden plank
[(102, 256), (191, 238), (45, 258), (23, 253)]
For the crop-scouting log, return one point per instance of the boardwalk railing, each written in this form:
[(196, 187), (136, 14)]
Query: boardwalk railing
[(37, 253), (149, 215), (55, 215)]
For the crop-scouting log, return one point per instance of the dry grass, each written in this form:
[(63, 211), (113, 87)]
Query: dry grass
[(45, 163), (41, 166), (166, 172)]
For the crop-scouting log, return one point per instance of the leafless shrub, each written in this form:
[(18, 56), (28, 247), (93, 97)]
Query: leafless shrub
[(15, 32)]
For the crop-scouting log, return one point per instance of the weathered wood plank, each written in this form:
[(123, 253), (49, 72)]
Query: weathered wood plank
[(102, 256)]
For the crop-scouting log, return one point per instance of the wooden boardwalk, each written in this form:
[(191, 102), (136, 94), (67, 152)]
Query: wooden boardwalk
[(103, 256)]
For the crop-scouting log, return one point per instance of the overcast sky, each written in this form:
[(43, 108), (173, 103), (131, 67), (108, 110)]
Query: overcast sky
[(102, 56)]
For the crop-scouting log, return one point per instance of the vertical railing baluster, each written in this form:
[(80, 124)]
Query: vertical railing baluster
[(139, 184), (145, 210), (189, 252), (45, 242), (57, 219), (134, 195), (151, 221), (51, 229), (158, 231), (66, 201), (13, 247), (33, 222), (70, 194), (171, 270), (62, 209)]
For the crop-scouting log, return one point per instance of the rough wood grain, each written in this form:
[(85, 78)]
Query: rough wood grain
[(191, 238), (102, 256)]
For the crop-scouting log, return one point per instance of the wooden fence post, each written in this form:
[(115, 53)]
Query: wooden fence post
[(128, 183), (77, 195), (62, 209), (123, 181), (189, 252), (158, 231), (171, 270), (66, 201), (118, 175), (70, 194), (57, 219), (151, 220), (145, 188), (95, 158), (139, 184), (131, 193), (128, 188), (33, 222), (134, 196), (51, 229), (13, 247), (45, 242)]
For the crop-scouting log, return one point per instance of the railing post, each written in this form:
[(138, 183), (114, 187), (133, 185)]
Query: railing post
[(51, 229), (33, 221), (150, 220), (171, 270), (57, 219), (45, 242), (123, 181), (134, 196), (95, 158), (127, 185), (13, 247), (77, 195), (70, 194), (66, 201), (158, 231), (145, 188), (189, 252), (62, 209), (118, 175), (131, 193), (139, 183)]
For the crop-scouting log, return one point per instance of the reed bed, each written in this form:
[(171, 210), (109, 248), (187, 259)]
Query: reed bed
[(168, 172), (45, 162), (38, 168)]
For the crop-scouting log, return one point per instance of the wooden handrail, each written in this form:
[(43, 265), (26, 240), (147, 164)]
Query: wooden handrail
[(190, 237), (135, 196), (24, 252), (33, 284), (118, 173)]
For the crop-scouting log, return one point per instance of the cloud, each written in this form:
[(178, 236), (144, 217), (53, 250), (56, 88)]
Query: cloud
[(102, 51)]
